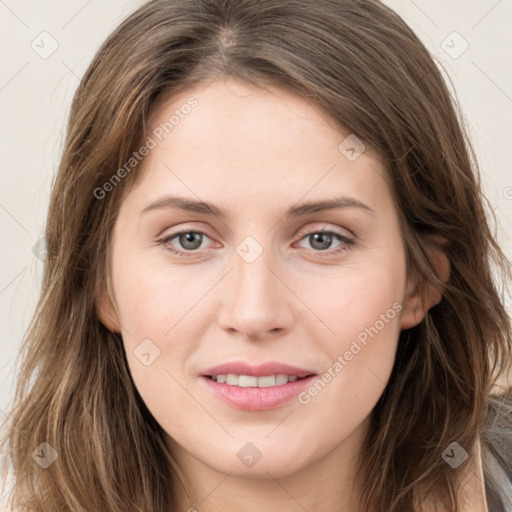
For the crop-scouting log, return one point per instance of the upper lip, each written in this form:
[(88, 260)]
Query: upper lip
[(268, 368)]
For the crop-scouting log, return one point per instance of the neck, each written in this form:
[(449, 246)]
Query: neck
[(471, 490)]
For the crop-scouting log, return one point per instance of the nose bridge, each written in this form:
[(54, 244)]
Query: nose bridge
[(256, 299), (252, 275)]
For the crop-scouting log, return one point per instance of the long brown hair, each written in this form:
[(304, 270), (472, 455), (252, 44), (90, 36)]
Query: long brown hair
[(363, 66)]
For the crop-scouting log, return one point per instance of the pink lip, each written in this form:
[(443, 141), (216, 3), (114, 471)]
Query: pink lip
[(257, 399), (270, 368)]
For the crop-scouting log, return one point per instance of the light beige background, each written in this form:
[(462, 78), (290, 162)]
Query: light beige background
[(35, 95)]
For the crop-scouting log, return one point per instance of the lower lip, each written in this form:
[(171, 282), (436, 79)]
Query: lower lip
[(257, 399)]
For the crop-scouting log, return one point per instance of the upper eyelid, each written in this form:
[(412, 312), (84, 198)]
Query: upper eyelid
[(320, 226), (326, 228)]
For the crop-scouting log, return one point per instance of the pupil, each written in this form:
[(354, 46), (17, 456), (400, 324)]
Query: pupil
[(190, 237), (318, 237)]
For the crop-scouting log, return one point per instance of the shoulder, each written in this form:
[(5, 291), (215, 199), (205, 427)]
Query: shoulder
[(496, 451)]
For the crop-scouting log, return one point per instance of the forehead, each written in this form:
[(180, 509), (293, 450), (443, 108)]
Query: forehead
[(264, 147)]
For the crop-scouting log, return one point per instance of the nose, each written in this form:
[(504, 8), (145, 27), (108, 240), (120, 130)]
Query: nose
[(256, 301)]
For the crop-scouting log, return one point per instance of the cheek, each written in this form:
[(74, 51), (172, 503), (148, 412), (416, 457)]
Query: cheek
[(162, 315), (154, 299), (355, 300)]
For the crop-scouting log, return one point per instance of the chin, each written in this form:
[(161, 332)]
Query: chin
[(257, 459), (262, 470)]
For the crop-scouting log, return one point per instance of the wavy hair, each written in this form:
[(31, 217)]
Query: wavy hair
[(360, 63)]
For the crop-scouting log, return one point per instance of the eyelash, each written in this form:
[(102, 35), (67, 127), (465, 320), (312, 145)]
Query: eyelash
[(347, 243)]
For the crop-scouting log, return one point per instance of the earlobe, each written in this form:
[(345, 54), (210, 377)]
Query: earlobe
[(106, 313), (415, 307)]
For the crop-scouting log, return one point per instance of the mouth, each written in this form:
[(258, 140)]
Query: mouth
[(250, 387), (253, 381)]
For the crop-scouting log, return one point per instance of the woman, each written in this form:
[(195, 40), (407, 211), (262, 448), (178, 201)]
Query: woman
[(335, 340)]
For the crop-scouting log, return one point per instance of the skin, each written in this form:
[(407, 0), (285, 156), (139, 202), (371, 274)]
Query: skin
[(257, 153)]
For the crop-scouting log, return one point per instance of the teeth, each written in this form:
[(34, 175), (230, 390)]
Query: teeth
[(232, 379), (269, 380), (282, 379), (247, 381), (250, 381)]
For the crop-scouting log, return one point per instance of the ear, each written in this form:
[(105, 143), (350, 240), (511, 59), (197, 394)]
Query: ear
[(415, 306), (107, 313)]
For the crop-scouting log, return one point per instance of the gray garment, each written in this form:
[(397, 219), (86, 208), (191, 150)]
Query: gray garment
[(496, 447)]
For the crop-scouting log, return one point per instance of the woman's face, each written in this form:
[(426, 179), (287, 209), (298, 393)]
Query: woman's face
[(258, 290)]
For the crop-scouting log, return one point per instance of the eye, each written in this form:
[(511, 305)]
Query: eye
[(321, 240), (190, 240)]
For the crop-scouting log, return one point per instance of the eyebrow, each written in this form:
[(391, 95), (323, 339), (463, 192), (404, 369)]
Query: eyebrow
[(191, 205)]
